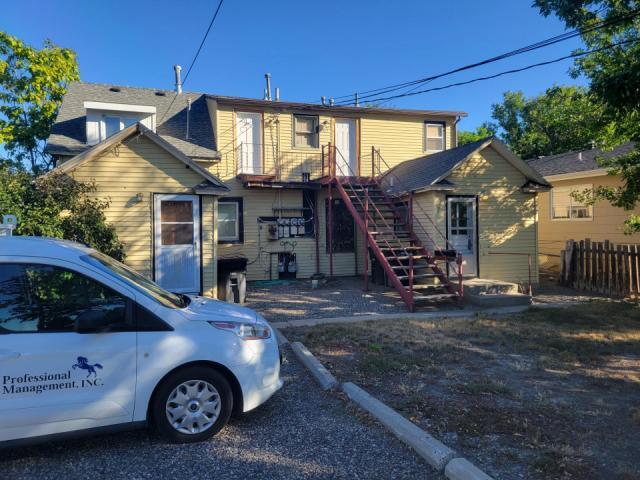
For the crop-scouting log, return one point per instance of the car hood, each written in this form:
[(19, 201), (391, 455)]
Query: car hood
[(207, 309)]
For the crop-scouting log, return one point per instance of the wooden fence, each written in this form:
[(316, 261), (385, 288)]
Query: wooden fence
[(602, 267)]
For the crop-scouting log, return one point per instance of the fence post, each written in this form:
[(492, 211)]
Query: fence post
[(600, 286), (607, 271), (580, 269), (620, 268), (626, 269), (587, 264), (633, 257)]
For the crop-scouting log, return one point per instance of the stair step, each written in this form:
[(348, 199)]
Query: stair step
[(415, 267), (387, 249), (388, 232), (416, 276), (433, 288), (434, 298)]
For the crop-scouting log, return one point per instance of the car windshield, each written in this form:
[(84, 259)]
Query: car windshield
[(149, 288)]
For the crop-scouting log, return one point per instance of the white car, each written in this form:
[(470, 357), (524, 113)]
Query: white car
[(88, 344)]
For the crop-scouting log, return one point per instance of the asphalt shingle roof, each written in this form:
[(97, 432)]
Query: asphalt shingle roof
[(68, 135), (422, 172), (573, 162)]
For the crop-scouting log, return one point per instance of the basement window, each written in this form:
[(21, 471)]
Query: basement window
[(434, 137), (305, 131), (565, 207)]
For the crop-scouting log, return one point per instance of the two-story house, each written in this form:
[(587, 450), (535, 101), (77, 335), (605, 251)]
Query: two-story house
[(200, 184)]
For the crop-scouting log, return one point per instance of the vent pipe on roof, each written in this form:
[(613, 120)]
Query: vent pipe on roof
[(188, 115), (324, 100), (331, 102), (267, 77), (277, 94), (178, 69)]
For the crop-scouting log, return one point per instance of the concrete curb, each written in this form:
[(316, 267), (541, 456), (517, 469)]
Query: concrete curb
[(326, 380), (466, 313), (462, 469), (282, 340), (433, 451)]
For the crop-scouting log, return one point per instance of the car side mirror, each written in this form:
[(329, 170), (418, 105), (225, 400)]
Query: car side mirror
[(91, 321)]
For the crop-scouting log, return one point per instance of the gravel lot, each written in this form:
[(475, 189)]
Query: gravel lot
[(300, 433)]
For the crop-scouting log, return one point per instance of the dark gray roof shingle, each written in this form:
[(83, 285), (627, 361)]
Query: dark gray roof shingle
[(422, 172), (573, 162), (68, 135)]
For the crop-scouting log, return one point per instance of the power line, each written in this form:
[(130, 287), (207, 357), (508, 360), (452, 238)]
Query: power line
[(195, 57), (507, 72), (528, 48)]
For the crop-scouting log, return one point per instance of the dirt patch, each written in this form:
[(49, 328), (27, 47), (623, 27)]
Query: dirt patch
[(546, 394)]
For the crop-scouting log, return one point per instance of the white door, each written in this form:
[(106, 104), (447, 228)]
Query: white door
[(177, 242), (461, 231), (249, 142), (347, 154), (55, 375)]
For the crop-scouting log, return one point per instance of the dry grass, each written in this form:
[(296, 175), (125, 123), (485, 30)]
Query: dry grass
[(541, 390)]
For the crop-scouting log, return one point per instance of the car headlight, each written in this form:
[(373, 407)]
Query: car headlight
[(246, 331)]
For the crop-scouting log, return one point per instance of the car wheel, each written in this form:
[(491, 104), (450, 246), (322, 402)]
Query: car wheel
[(192, 404)]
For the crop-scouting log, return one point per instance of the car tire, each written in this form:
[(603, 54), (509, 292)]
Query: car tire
[(192, 404)]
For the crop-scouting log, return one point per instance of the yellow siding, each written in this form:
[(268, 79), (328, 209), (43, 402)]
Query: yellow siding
[(606, 223), (138, 166), (507, 217)]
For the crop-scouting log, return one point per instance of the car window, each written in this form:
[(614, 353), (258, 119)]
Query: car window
[(45, 298), (122, 272)]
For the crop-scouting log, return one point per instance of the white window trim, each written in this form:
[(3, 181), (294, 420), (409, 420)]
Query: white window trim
[(119, 107), (571, 219), (236, 237), (443, 138)]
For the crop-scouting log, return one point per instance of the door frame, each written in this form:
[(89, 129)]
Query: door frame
[(356, 120), (197, 233), (262, 138), (476, 225)]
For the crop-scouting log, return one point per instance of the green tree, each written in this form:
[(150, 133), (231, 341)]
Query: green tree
[(562, 119), (486, 129), (55, 205), (614, 74), (32, 84)]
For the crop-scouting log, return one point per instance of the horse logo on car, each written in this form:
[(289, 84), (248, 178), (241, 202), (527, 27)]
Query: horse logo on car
[(83, 363)]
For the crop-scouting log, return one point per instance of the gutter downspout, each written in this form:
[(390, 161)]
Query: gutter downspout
[(455, 130)]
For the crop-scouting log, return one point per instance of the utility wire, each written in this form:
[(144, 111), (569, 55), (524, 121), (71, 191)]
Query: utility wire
[(195, 57), (507, 72), (528, 48)]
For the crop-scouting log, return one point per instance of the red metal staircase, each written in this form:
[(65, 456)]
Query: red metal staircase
[(418, 274)]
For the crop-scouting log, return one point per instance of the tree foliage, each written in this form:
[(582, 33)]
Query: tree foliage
[(615, 82), (56, 205), (562, 119), (486, 129), (32, 84)]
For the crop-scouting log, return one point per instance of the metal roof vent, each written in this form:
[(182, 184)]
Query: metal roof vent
[(114, 89), (160, 94)]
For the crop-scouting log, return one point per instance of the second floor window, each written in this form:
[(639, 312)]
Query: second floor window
[(565, 207), (305, 133), (434, 137), (113, 124)]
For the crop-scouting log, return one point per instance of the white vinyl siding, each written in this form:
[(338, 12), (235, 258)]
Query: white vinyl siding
[(565, 207)]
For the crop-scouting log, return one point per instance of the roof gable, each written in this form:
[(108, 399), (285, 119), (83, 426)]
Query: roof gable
[(431, 171), (212, 183)]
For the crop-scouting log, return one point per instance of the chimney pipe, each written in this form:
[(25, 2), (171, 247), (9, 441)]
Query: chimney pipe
[(188, 115), (178, 69), (277, 94), (267, 77), (324, 100), (331, 102)]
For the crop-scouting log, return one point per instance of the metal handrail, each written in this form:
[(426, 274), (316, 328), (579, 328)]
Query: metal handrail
[(415, 220)]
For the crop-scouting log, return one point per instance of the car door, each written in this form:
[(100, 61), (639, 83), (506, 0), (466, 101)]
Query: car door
[(54, 376)]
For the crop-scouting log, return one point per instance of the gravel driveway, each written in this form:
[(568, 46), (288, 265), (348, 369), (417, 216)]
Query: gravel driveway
[(301, 432)]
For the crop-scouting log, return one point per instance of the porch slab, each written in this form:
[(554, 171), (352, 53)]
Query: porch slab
[(487, 293), (484, 286)]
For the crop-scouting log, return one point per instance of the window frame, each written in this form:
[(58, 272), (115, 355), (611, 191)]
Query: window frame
[(443, 139), (570, 218), (316, 133), (239, 238), (130, 319)]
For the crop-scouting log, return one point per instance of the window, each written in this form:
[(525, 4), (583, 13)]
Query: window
[(434, 137), (176, 222), (45, 298), (113, 124), (343, 232), (230, 228), (565, 207), (305, 131)]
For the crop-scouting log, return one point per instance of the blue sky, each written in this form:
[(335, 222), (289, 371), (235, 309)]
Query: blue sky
[(329, 48)]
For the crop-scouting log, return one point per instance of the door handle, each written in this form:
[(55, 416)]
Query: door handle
[(4, 355)]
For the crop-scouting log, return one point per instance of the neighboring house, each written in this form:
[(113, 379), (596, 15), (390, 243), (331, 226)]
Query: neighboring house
[(201, 184), (563, 218)]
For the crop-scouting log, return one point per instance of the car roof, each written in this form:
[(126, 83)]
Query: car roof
[(42, 247)]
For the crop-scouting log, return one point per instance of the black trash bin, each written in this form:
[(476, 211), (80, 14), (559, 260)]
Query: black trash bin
[(232, 280)]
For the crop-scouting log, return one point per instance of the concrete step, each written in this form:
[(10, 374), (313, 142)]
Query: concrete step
[(491, 300), (477, 286)]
